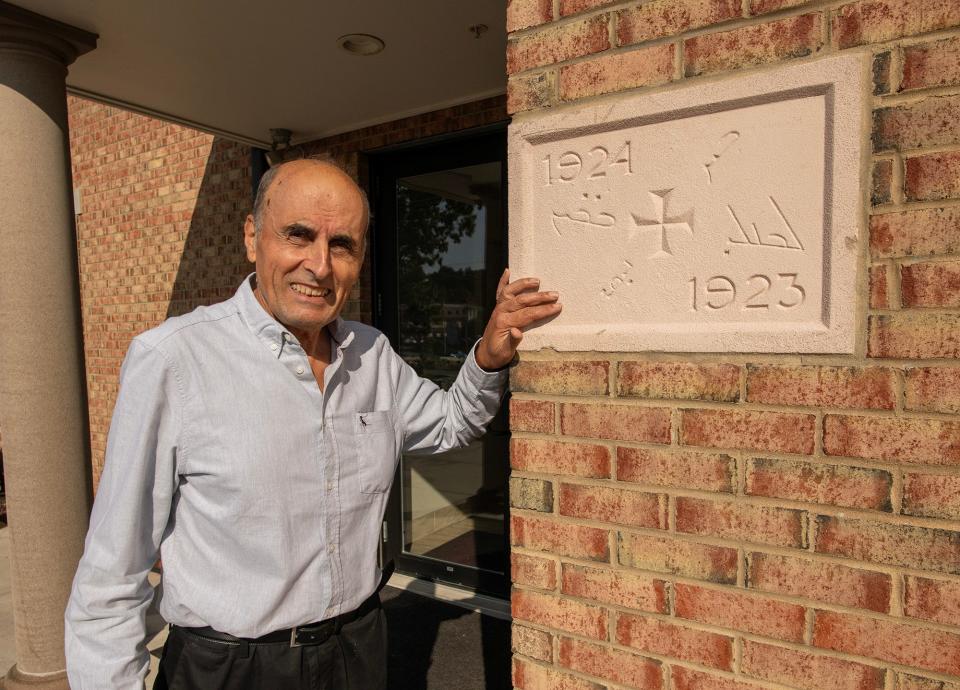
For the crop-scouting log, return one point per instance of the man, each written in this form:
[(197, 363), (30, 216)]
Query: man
[(252, 447)]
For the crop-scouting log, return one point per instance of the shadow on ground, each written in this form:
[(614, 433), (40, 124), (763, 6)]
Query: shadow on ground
[(439, 646)]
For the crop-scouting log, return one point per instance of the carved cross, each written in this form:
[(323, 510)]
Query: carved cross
[(662, 223)]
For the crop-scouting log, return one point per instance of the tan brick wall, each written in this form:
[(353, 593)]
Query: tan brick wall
[(738, 522), (160, 229)]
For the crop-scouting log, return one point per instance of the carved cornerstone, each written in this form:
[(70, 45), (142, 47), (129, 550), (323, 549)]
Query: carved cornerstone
[(718, 217)]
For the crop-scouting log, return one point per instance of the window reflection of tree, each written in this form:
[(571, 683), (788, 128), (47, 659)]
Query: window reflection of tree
[(441, 313)]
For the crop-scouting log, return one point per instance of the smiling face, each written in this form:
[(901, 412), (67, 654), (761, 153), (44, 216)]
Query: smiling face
[(309, 248)]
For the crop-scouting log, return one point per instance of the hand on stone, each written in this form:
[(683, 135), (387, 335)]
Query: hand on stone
[(519, 306)]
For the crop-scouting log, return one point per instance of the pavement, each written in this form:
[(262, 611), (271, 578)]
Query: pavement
[(434, 645)]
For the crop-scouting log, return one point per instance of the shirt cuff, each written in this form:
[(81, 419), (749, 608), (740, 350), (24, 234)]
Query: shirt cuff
[(484, 378)]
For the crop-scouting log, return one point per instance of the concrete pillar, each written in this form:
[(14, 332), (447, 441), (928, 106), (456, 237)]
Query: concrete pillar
[(43, 410)]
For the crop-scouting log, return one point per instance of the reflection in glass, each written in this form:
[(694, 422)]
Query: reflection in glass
[(453, 505)]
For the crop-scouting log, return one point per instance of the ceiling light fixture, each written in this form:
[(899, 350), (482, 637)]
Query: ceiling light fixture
[(361, 44)]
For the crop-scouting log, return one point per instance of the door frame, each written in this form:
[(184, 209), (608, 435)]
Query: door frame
[(483, 145)]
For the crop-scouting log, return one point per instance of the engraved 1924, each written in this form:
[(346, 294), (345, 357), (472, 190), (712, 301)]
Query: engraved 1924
[(594, 164), (758, 292)]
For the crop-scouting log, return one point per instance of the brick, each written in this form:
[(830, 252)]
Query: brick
[(560, 539), (930, 284), (887, 640), (812, 482), (617, 587), (932, 177), (818, 579), (621, 422), (881, 74), (688, 679), (576, 459), (679, 642), (679, 381), (531, 91), (764, 6), (533, 571), (807, 671), (910, 335), (740, 611), (618, 72), (522, 14), (817, 386), (561, 378), (925, 441), (934, 121), (792, 37), (735, 520), (562, 614), (879, 287), (905, 681), (676, 468), (881, 184), (875, 21), (536, 644), (633, 508), (932, 600), (531, 494), (669, 17), (931, 495), (915, 233), (678, 557), (766, 431), (558, 43), (527, 676), (933, 389), (531, 415), (568, 7), (920, 548), (931, 64), (610, 664)]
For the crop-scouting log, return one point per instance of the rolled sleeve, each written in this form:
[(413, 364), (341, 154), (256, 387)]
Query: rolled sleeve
[(105, 617)]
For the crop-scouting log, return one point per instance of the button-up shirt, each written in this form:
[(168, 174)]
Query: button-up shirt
[(262, 494)]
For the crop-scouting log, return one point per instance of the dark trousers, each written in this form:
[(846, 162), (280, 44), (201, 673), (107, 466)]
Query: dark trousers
[(353, 659)]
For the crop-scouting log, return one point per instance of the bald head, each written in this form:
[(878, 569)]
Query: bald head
[(324, 168)]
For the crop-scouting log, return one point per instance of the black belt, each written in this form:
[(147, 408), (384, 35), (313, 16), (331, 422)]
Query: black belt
[(310, 634)]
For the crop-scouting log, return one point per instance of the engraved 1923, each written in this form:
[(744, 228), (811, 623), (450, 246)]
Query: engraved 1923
[(758, 292), (594, 164)]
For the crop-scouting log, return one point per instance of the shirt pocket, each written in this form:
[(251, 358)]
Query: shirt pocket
[(376, 444)]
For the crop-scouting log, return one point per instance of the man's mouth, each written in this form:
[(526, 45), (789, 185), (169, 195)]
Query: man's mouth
[(310, 291)]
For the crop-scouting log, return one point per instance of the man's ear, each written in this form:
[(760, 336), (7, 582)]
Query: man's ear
[(250, 239)]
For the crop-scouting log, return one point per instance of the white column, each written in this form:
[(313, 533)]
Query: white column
[(43, 409)]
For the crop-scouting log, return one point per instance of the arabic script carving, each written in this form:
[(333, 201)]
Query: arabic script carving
[(789, 240)]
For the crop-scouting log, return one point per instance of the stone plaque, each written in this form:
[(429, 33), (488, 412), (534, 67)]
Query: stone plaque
[(720, 217)]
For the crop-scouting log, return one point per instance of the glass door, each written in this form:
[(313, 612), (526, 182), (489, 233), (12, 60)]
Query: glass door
[(440, 247)]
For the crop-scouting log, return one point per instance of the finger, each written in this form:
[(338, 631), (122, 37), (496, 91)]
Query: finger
[(531, 299), (525, 317), (521, 285)]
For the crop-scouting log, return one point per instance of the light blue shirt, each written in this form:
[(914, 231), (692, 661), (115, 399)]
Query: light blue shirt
[(263, 495)]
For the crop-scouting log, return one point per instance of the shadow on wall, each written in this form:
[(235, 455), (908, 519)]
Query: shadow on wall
[(214, 261)]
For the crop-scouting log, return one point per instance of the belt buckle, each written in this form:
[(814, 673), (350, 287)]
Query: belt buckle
[(316, 634)]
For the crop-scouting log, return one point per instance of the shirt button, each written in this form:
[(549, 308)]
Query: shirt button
[(331, 548), (299, 370), (274, 346), (329, 486)]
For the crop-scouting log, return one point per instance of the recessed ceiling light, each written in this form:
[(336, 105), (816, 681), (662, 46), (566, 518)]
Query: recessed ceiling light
[(361, 44)]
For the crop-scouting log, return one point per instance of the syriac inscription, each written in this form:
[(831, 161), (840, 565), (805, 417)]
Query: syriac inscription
[(688, 232)]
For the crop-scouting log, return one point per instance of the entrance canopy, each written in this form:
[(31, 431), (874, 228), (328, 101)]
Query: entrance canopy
[(239, 69)]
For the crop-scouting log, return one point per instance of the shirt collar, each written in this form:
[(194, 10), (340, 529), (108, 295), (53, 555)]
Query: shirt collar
[(272, 332)]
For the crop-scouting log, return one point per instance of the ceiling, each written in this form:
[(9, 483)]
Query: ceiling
[(240, 67)]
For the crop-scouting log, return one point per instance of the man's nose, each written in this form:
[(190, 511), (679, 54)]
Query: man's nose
[(318, 260)]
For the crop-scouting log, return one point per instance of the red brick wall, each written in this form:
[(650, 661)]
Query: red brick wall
[(160, 229), (738, 522)]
